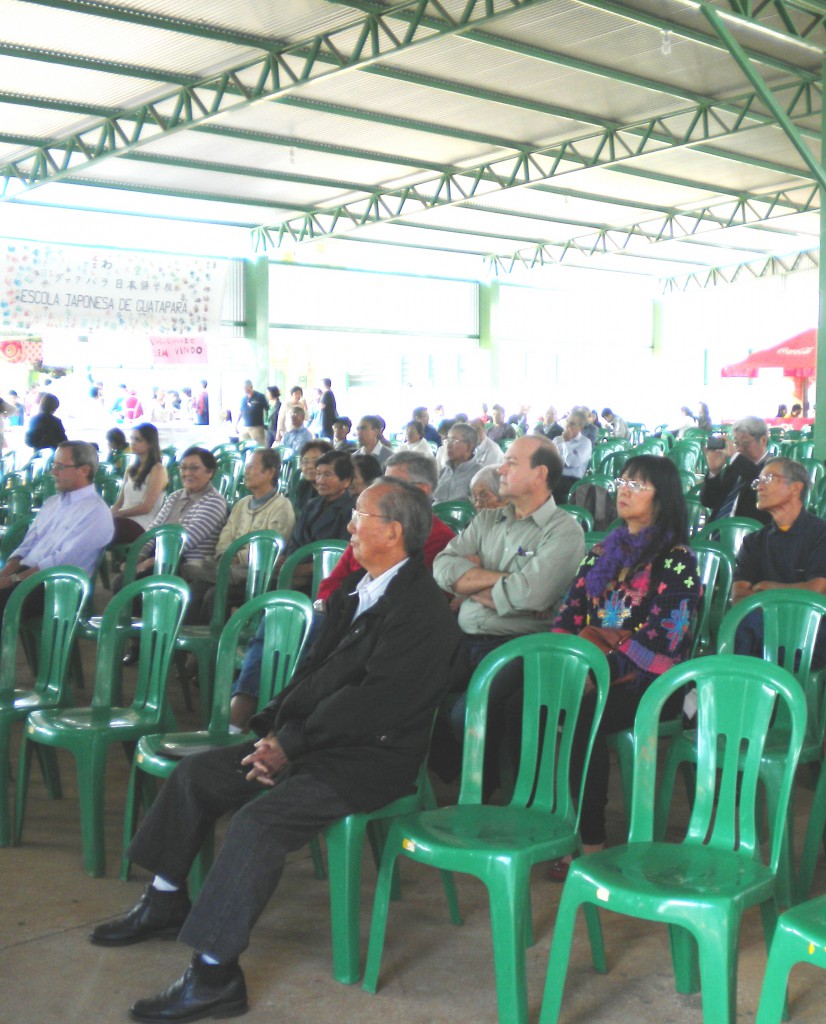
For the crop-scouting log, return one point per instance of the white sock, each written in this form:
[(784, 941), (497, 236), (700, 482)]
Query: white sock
[(236, 730), (209, 959), (163, 884)]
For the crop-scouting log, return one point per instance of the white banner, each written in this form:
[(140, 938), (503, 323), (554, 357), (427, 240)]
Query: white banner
[(46, 286)]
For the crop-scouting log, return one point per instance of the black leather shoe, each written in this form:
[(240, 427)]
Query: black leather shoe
[(204, 990), (131, 655), (156, 913)]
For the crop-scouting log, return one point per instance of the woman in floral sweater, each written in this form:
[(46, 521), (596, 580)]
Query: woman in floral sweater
[(642, 582)]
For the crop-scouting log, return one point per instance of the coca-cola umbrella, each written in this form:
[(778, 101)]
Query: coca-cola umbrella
[(796, 357)]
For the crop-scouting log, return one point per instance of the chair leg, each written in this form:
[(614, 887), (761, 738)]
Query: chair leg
[(47, 759), (560, 954), (684, 960), (381, 905), (91, 778), (130, 819), (508, 907), (345, 845), (24, 767), (718, 949), (814, 838), (786, 887), (5, 781), (319, 870)]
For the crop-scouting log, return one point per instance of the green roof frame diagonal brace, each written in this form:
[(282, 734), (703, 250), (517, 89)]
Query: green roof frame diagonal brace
[(360, 44), (616, 145), (764, 92)]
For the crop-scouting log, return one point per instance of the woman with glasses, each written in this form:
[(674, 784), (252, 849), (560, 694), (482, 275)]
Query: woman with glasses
[(634, 596)]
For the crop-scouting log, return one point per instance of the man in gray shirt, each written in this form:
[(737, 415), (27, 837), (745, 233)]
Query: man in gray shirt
[(511, 567), (461, 465)]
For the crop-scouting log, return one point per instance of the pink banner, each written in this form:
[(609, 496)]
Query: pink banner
[(172, 348)]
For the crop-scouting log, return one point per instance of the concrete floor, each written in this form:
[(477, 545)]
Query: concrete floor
[(431, 971)]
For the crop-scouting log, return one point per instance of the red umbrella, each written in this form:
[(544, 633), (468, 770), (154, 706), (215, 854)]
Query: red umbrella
[(796, 357)]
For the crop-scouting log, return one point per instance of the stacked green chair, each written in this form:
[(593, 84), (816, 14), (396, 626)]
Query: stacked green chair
[(716, 567), (287, 618), (696, 513), (791, 619), (12, 536), (614, 463), (265, 547), (65, 589), (87, 733), (817, 474), (456, 514), (500, 844), (701, 886), (324, 554)]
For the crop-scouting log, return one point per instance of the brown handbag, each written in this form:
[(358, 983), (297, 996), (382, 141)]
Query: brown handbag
[(608, 639)]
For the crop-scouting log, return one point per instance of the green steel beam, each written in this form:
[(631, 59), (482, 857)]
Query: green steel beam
[(682, 224), (614, 146), (773, 266), (110, 67), (764, 92), (276, 72)]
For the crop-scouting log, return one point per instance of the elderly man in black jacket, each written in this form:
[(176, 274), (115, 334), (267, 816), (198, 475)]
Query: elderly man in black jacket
[(348, 734)]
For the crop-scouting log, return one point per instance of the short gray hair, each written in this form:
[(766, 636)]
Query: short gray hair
[(421, 469), (752, 425), (405, 504), (83, 454), (270, 461), (487, 477), (466, 433), (794, 471)]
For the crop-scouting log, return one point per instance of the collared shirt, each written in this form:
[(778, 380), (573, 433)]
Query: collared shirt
[(488, 453), (454, 482), (203, 516), (296, 439), (540, 553), (796, 555), (369, 590), (72, 528), (378, 451), (576, 454)]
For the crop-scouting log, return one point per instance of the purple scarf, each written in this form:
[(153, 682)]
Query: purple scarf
[(623, 550)]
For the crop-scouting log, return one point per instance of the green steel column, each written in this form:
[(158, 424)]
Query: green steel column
[(488, 340), (257, 317), (820, 428)]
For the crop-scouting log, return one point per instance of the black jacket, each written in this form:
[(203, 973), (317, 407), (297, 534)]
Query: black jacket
[(739, 470), (359, 711)]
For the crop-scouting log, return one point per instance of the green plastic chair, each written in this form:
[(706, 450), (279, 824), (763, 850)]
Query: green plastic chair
[(582, 516), (265, 547), (817, 474), (17, 503), (593, 479), (12, 536), (614, 463), (729, 532), (500, 844), (701, 886), (686, 455), (800, 937), (87, 733), (65, 589), (716, 567), (791, 619), (287, 618), (456, 514), (696, 512), (325, 555)]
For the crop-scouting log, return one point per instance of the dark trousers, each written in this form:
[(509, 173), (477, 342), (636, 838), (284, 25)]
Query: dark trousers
[(620, 711), (248, 867)]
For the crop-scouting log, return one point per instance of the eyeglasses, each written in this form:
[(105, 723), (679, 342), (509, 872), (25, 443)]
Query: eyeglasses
[(454, 440), (767, 478), (58, 467), (632, 485), (356, 516)]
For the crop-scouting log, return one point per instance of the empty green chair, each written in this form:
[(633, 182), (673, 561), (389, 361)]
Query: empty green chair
[(65, 589), (716, 567), (730, 532), (790, 619), (582, 516), (324, 554), (800, 938), (286, 621), (701, 886), (697, 514), (87, 733), (12, 536), (457, 514), (500, 844), (264, 548)]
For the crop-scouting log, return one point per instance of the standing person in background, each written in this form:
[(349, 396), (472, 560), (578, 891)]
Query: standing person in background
[(274, 399), (144, 486), (329, 412), (202, 406), (45, 429), (16, 419), (251, 415), (283, 424)]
